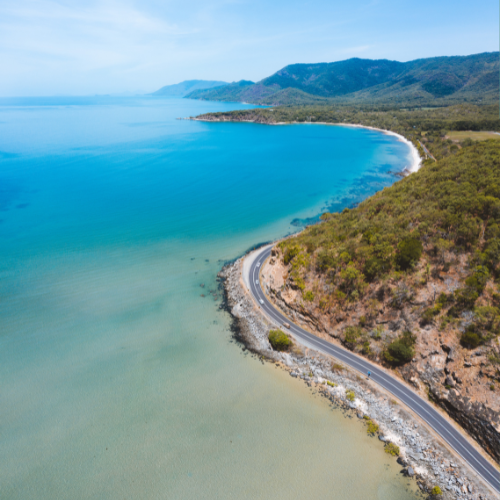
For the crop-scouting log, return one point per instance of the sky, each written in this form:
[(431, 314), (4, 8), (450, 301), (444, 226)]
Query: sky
[(68, 47)]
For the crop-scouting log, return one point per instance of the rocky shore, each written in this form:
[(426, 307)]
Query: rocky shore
[(422, 456)]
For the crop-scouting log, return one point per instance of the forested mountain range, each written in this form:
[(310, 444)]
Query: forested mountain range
[(443, 80), (184, 88)]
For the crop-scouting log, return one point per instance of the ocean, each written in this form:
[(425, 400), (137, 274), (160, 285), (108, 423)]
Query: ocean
[(119, 379)]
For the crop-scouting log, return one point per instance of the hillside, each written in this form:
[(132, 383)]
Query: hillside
[(184, 88), (409, 279), (435, 80)]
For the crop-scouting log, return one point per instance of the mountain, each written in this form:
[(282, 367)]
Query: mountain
[(184, 88), (438, 79)]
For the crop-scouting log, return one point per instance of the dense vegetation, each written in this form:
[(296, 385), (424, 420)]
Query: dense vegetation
[(279, 340), (422, 126), (438, 80), (421, 226)]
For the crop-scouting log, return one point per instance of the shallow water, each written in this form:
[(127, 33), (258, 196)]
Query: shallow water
[(118, 380)]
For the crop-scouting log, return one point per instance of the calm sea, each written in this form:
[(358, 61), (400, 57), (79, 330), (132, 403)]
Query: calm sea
[(118, 379)]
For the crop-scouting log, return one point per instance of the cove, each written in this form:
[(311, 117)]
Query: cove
[(119, 380)]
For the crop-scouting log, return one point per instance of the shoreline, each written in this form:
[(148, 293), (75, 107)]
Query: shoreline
[(416, 160), (423, 456)]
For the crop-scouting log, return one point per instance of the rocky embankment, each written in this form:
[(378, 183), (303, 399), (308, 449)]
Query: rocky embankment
[(461, 381), (421, 455)]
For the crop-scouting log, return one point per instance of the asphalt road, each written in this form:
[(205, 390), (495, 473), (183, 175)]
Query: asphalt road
[(422, 408)]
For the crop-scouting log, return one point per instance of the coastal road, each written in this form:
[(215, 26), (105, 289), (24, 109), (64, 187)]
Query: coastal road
[(422, 408)]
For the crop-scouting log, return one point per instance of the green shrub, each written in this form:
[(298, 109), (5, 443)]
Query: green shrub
[(350, 395), (401, 350), (279, 340), (366, 350), (371, 427), (470, 339), (352, 333), (429, 314), (436, 491), (392, 449), (331, 384), (409, 252), (290, 253), (373, 268), (309, 296)]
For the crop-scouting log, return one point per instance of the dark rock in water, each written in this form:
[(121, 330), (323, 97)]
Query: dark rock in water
[(192, 258), (401, 461), (206, 260), (202, 295), (202, 285), (360, 415), (410, 472), (382, 438)]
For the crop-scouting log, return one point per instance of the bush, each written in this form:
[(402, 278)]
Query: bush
[(279, 340), (436, 491), (290, 253), (352, 333), (350, 395), (429, 314), (331, 384), (309, 296), (392, 449), (401, 350), (373, 267), (470, 339), (371, 427), (409, 252)]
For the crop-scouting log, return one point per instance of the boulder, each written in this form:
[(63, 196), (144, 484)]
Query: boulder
[(410, 472), (449, 381)]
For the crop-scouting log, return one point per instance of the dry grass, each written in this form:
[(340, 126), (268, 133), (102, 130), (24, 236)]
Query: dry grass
[(475, 136)]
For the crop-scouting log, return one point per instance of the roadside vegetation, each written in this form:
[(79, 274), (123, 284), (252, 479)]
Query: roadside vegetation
[(279, 340)]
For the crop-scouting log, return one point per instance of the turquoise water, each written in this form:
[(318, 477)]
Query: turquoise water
[(118, 380)]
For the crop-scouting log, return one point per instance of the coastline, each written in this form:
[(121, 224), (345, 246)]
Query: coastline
[(423, 456), (416, 160)]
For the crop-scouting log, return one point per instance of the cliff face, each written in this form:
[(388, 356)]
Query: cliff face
[(459, 380)]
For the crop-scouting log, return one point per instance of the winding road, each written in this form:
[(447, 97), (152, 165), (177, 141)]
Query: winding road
[(422, 408)]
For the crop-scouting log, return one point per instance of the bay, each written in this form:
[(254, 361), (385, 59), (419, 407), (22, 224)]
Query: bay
[(118, 379)]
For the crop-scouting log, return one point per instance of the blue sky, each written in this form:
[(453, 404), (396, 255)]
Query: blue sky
[(63, 47)]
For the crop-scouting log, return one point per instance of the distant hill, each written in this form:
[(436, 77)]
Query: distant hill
[(439, 79), (184, 88)]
